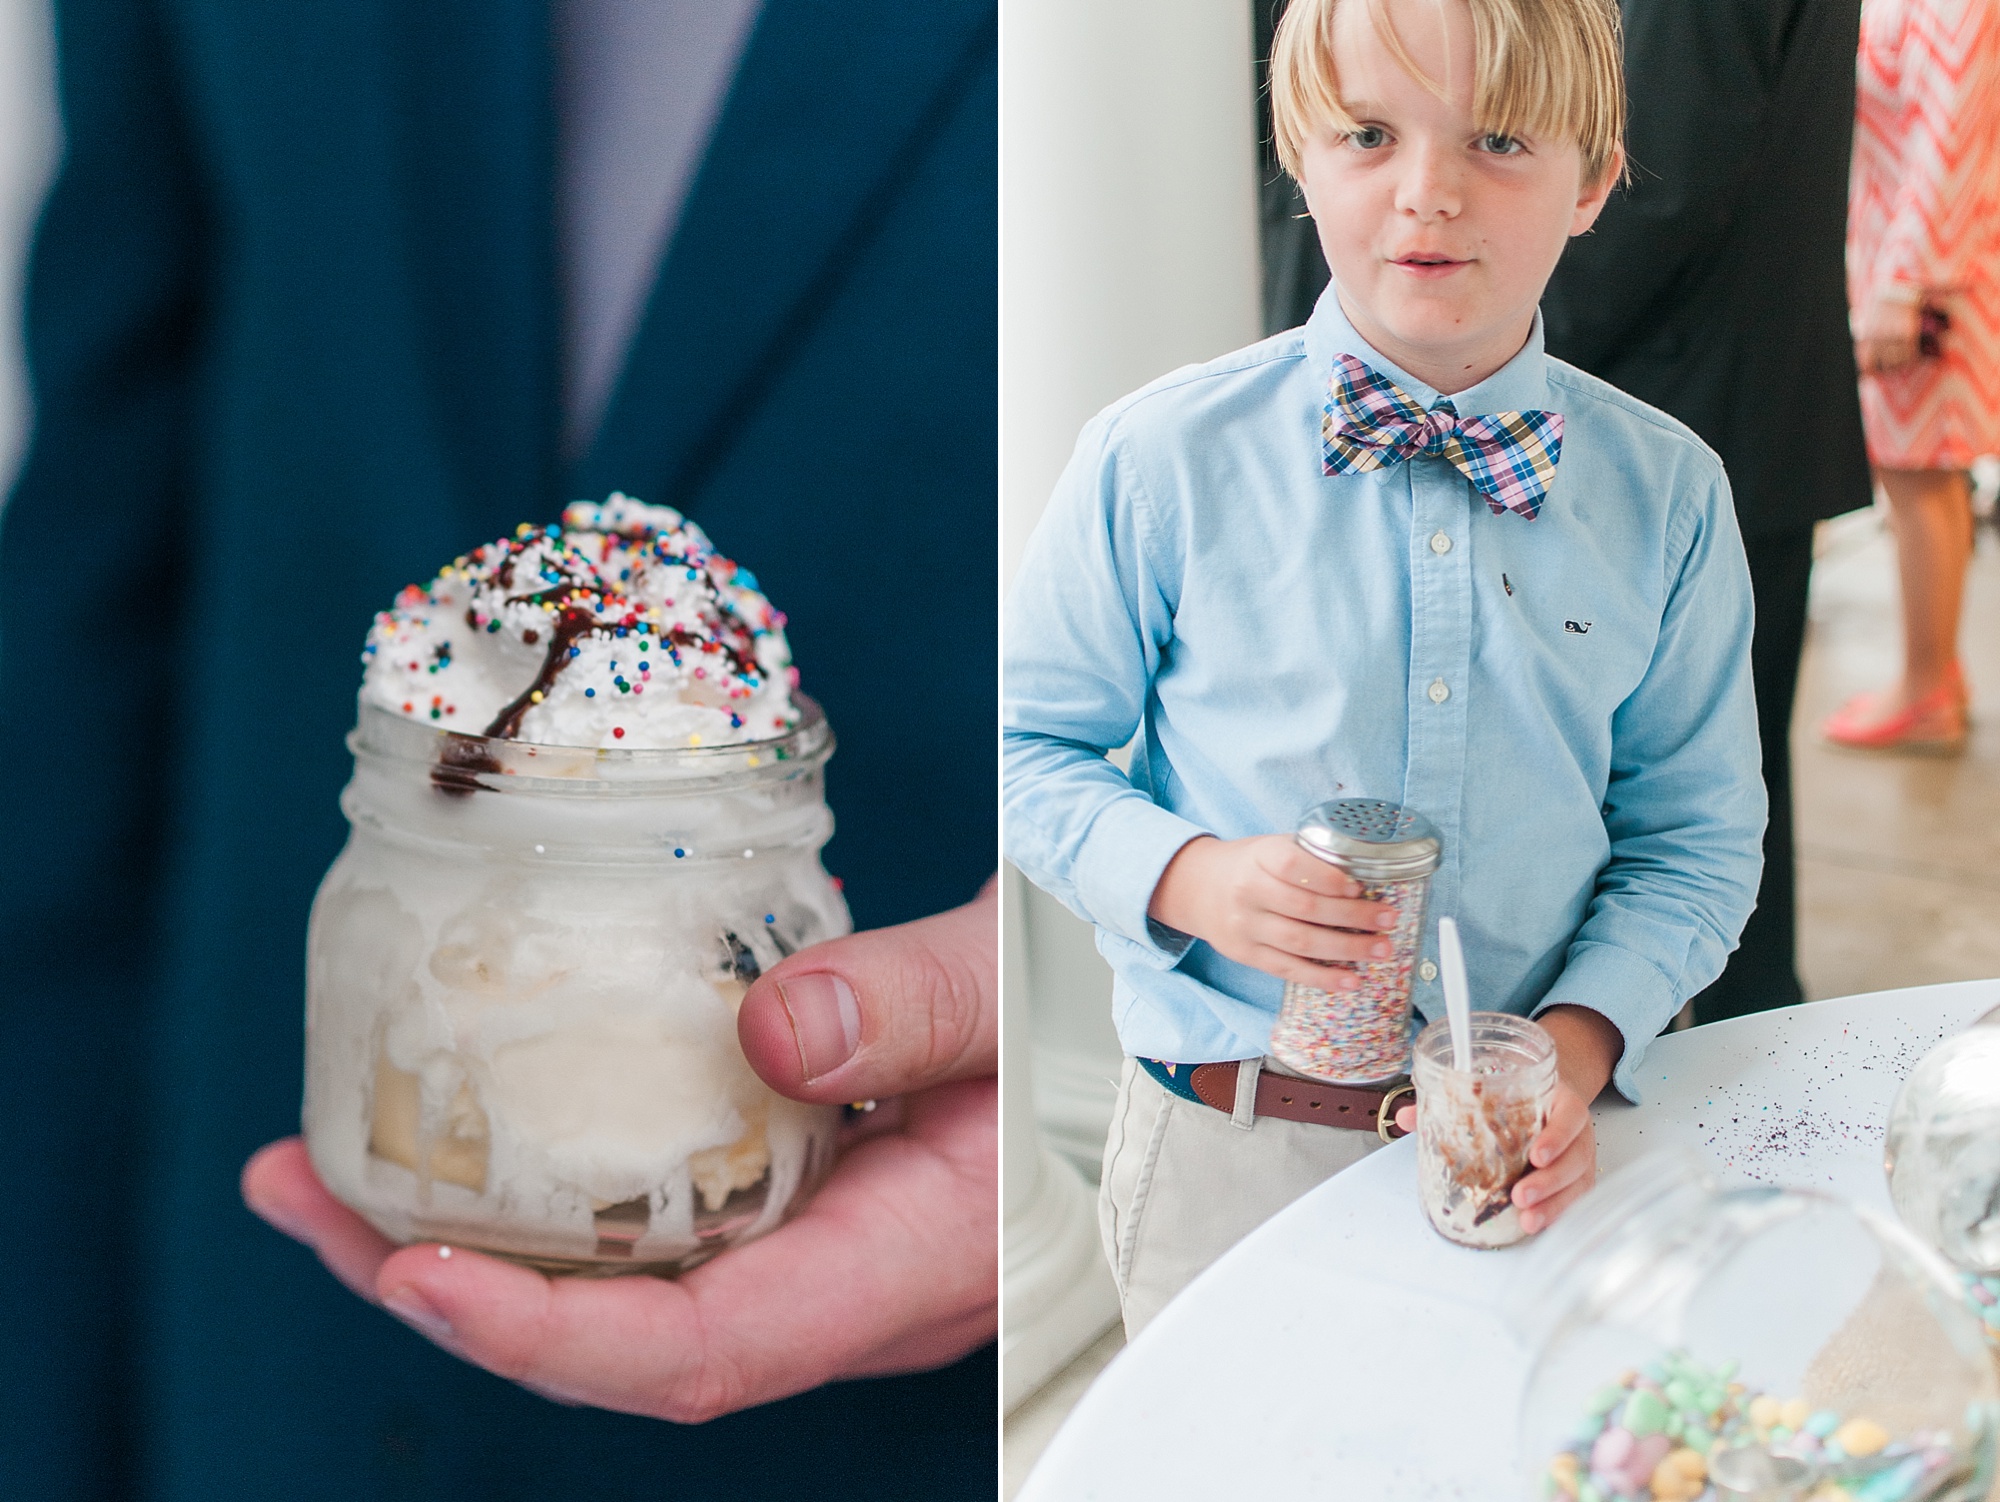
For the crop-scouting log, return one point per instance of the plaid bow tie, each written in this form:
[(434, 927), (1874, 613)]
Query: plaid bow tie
[(1372, 423)]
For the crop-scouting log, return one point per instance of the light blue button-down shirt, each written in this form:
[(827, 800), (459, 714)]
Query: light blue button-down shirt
[(1568, 699)]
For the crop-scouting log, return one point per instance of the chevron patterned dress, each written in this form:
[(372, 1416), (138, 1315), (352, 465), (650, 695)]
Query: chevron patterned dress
[(1924, 211)]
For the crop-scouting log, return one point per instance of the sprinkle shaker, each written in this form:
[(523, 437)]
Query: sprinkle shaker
[(1363, 1036)]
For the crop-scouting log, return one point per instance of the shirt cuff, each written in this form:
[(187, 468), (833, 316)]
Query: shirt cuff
[(1617, 984), (1128, 846)]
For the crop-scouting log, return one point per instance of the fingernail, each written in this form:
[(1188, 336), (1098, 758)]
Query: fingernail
[(1383, 951), (418, 1312), (826, 1020), (1389, 919)]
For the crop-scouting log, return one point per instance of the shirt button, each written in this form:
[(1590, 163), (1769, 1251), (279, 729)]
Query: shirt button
[(1439, 693), (1427, 971), (1440, 544)]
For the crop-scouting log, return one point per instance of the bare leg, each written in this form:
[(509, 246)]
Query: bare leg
[(1932, 511), (1925, 709)]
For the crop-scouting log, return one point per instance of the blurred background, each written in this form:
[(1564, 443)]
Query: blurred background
[(1145, 225)]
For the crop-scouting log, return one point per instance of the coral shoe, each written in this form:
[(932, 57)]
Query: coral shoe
[(1935, 724)]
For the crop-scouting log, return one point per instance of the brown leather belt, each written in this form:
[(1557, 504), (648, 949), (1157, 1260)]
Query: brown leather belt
[(1363, 1108)]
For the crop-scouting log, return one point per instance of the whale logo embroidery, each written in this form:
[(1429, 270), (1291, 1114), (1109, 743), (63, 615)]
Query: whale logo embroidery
[(1576, 628)]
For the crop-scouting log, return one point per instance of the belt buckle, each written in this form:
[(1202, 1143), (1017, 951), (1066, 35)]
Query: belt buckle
[(1385, 1114)]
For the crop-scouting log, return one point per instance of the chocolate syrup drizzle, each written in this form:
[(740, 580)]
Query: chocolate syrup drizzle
[(463, 758)]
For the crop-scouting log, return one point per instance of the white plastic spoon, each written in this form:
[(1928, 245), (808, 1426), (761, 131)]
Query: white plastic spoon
[(1457, 1000)]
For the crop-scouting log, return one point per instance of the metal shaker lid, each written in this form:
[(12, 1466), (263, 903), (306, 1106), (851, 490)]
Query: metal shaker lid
[(1369, 838)]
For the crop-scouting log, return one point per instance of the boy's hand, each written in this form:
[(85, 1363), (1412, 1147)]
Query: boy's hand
[(1267, 904), (1564, 1156), (1886, 330)]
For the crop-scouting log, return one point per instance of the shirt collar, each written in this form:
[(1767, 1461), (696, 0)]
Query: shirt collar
[(1521, 385)]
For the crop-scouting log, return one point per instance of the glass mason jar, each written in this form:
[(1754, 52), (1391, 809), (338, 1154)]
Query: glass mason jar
[(522, 980), (1362, 1037), (1694, 1342), (1474, 1130)]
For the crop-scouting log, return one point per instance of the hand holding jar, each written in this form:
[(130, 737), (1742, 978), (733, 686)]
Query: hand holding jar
[(891, 1267), (1266, 903), (578, 1001), (1563, 1156)]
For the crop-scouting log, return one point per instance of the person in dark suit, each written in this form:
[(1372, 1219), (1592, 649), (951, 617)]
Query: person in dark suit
[(296, 338), (1714, 288)]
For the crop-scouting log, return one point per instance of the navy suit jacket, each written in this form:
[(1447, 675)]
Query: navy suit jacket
[(293, 343)]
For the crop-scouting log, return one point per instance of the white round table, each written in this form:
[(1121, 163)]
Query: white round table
[(1345, 1351)]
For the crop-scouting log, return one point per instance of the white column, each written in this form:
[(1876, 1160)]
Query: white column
[(1128, 247), (1056, 1290), (27, 149)]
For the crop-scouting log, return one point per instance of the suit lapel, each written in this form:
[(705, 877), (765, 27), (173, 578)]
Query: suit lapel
[(832, 107)]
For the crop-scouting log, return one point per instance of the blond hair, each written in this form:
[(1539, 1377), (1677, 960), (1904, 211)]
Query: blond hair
[(1540, 67)]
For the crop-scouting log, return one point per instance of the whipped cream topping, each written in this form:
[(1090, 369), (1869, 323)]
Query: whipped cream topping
[(621, 628)]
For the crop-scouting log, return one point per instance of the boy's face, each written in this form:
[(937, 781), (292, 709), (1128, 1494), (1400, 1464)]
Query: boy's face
[(1440, 235)]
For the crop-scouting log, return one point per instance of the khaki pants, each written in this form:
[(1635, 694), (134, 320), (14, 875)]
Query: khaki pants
[(1183, 1183)]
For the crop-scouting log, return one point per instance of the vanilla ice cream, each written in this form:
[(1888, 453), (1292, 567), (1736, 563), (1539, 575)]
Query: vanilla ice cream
[(523, 975), (621, 628)]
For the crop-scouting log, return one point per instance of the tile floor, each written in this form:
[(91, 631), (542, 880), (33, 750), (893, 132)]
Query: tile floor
[(1899, 857)]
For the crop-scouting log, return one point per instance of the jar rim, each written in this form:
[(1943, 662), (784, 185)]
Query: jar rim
[(1527, 1045), (469, 761)]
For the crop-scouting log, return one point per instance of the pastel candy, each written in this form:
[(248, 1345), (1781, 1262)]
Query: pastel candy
[(1680, 1476), (1859, 1437), (1646, 1413), (1634, 1476), (1653, 1441), (1893, 1485), (1646, 1458), (1564, 1473), (1612, 1450)]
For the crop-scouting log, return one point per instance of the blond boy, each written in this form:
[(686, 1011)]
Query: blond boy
[(1398, 553)]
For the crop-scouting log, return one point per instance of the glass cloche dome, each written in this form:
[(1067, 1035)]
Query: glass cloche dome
[(1694, 1343)]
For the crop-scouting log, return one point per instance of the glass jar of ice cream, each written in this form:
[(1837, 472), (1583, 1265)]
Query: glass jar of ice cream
[(1696, 1343), (524, 967), (1474, 1128)]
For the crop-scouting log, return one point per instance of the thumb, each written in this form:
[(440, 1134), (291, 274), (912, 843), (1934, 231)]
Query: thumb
[(882, 1012)]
